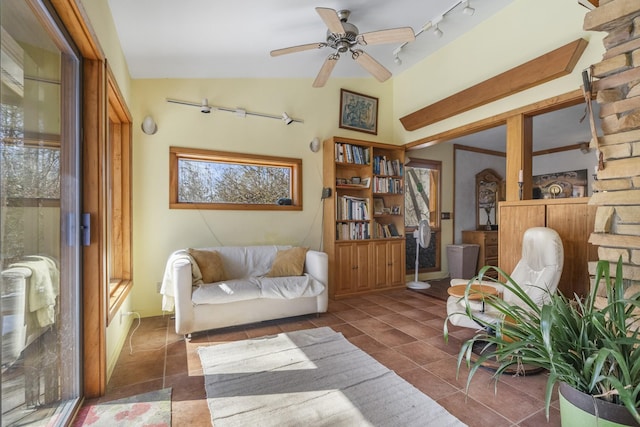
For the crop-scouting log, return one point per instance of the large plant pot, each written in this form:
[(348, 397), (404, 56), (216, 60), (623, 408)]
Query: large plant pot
[(578, 409)]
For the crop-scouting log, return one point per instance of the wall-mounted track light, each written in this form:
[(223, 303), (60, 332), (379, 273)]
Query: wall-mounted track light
[(205, 107)]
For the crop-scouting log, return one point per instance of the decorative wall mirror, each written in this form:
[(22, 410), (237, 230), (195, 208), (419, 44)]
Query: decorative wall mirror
[(489, 191)]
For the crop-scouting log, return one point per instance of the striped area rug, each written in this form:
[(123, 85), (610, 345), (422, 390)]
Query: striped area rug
[(310, 378)]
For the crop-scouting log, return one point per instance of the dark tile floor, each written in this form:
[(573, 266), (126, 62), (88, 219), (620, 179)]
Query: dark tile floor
[(402, 329)]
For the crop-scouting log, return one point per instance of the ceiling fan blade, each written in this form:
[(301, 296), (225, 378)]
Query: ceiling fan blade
[(367, 62), (331, 19), (392, 35), (325, 71), (300, 48)]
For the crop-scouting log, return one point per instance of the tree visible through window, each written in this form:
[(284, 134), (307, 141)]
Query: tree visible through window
[(217, 180)]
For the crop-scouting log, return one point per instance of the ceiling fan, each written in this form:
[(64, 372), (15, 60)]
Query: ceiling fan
[(344, 37)]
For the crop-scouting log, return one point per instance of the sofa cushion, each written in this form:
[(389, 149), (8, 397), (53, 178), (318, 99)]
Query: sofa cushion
[(288, 262), (247, 261), (210, 264), (226, 291), (290, 287)]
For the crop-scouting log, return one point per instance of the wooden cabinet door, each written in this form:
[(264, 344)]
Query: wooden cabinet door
[(388, 264), (344, 269), (397, 265), (380, 265), (514, 221), (363, 277), (574, 223)]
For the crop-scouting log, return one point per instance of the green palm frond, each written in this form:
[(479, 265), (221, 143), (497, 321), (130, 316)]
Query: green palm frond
[(595, 350)]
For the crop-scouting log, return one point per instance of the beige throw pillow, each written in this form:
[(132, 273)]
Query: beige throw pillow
[(288, 262), (210, 264)]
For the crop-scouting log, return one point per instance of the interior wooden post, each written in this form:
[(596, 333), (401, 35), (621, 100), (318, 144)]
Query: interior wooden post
[(519, 156)]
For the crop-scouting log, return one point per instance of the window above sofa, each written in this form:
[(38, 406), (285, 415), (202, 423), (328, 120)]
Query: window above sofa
[(205, 179)]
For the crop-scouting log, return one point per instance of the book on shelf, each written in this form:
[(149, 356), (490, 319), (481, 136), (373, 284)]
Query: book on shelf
[(349, 153), (352, 231), (384, 166), (386, 231), (352, 208)]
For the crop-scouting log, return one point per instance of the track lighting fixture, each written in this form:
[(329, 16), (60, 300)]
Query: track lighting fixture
[(468, 10), (238, 112), (204, 107), (434, 25), (286, 119), (149, 126)]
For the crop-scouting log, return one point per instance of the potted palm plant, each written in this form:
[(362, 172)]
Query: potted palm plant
[(590, 349)]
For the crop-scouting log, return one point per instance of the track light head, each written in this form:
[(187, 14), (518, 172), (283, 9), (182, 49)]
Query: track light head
[(468, 10), (438, 32), (286, 119), (397, 60), (204, 108)]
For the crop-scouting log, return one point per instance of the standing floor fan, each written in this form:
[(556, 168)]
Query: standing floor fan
[(423, 236)]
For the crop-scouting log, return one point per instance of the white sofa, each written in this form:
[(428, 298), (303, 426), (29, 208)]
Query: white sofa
[(247, 294)]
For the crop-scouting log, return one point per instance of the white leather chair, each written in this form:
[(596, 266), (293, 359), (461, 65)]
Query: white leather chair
[(538, 273)]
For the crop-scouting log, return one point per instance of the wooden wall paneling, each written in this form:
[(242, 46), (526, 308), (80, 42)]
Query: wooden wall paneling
[(574, 223), (514, 220)]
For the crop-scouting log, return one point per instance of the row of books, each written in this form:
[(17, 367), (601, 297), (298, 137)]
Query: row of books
[(352, 231), (348, 153), (384, 166), (384, 231), (352, 208), (387, 185)]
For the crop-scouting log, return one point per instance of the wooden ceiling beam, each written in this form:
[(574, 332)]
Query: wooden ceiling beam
[(542, 69)]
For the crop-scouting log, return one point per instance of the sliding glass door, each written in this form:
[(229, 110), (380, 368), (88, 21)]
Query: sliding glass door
[(39, 217)]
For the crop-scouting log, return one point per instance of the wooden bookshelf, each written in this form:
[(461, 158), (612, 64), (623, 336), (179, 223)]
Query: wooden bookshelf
[(364, 216)]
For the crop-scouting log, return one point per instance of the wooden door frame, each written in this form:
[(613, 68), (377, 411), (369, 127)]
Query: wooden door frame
[(102, 104)]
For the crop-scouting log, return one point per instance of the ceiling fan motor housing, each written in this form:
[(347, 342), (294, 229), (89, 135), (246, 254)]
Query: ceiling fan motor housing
[(343, 42)]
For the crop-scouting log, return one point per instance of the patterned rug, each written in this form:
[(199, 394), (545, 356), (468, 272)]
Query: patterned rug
[(151, 409), (313, 377)]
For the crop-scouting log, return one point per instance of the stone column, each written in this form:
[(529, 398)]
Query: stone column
[(617, 85)]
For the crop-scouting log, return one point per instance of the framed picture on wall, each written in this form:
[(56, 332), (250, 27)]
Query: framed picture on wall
[(560, 185), (358, 112)]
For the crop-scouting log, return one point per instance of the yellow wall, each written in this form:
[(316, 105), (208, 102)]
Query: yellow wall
[(158, 230)]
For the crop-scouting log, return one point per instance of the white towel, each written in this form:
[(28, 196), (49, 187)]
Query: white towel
[(43, 290), (168, 281)]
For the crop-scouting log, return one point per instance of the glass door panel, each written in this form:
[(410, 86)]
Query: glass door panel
[(39, 211)]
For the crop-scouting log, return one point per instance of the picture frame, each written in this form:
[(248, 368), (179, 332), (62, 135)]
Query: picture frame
[(378, 205), (560, 185), (358, 112)]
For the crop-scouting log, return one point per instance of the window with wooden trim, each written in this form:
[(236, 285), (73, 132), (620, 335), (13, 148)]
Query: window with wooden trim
[(422, 202), (205, 179), (118, 206)]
